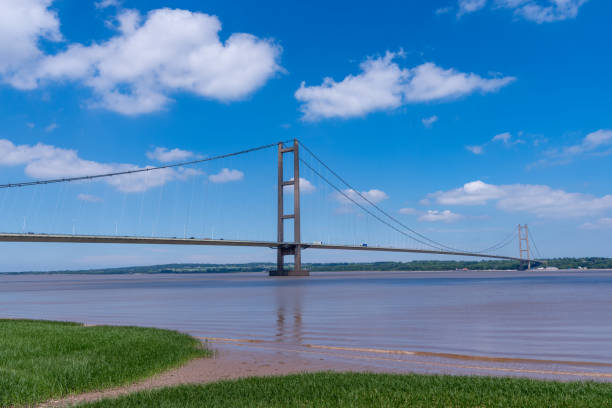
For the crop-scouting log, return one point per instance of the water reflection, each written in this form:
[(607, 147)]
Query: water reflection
[(560, 315), (289, 313)]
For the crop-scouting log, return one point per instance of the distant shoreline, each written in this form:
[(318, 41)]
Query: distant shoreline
[(412, 266)]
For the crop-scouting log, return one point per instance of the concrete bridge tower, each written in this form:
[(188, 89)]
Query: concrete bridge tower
[(293, 247), (523, 238)]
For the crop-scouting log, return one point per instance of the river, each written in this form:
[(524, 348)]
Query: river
[(564, 315)]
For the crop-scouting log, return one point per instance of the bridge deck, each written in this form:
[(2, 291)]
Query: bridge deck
[(109, 239)]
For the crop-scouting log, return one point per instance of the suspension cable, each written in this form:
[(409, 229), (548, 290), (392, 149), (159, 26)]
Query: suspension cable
[(146, 169), (501, 244), (535, 246), (339, 190), (436, 244)]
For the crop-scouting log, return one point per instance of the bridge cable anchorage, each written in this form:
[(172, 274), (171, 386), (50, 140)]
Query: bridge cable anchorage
[(146, 169), (436, 244)]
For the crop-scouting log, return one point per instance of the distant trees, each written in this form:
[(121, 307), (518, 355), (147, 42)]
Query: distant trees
[(561, 263)]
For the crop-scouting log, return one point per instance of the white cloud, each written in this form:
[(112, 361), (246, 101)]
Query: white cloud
[(428, 122), (374, 195), (408, 211), (470, 6), (51, 127), (443, 10), (598, 143), (540, 200), (107, 3), (23, 24), (226, 175), (440, 216), (602, 223), (591, 142), (166, 52), (538, 11), (306, 187), (164, 155), (89, 198), (44, 161), (502, 137), (475, 149), (545, 11), (383, 85), (430, 82), (507, 139)]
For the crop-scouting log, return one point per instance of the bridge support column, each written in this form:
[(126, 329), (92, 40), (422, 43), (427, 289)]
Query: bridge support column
[(524, 252), (289, 248)]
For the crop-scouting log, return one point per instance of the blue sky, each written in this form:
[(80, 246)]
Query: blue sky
[(461, 118)]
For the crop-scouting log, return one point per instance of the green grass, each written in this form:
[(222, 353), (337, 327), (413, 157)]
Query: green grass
[(372, 390), (40, 360)]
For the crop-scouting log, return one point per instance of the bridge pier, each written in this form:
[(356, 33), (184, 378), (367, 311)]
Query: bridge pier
[(290, 248), (282, 251)]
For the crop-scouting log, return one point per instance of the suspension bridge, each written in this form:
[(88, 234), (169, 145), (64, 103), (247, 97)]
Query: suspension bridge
[(288, 210)]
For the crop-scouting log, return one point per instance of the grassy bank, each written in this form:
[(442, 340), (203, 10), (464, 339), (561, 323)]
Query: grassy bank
[(372, 390), (41, 360)]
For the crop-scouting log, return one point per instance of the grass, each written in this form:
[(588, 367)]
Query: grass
[(371, 390), (40, 360)]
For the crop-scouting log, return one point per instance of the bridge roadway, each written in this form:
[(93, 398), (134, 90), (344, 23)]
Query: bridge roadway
[(109, 239)]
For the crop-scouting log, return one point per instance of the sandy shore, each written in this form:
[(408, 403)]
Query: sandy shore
[(225, 365), (238, 358)]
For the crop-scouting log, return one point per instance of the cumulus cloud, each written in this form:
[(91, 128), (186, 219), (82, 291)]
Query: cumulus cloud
[(44, 161), (408, 211), (226, 175), (475, 149), (23, 24), (374, 195), (538, 11), (598, 143), (107, 3), (152, 57), (383, 85), (428, 122), (502, 137), (545, 11), (541, 200), (440, 216), (470, 6), (306, 186), (602, 223), (592, 142), (507, 139), (164, 155)]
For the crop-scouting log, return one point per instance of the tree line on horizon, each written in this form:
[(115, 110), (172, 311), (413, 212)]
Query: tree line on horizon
[(433, 265)]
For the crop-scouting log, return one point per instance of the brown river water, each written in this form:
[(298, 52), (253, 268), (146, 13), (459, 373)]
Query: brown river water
[(550, 317)]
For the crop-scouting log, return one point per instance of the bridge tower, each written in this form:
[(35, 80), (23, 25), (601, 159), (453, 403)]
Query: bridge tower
[(289, 248), (523, 238)]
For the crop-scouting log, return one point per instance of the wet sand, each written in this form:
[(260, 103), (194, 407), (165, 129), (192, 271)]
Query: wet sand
[(239, 358)]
